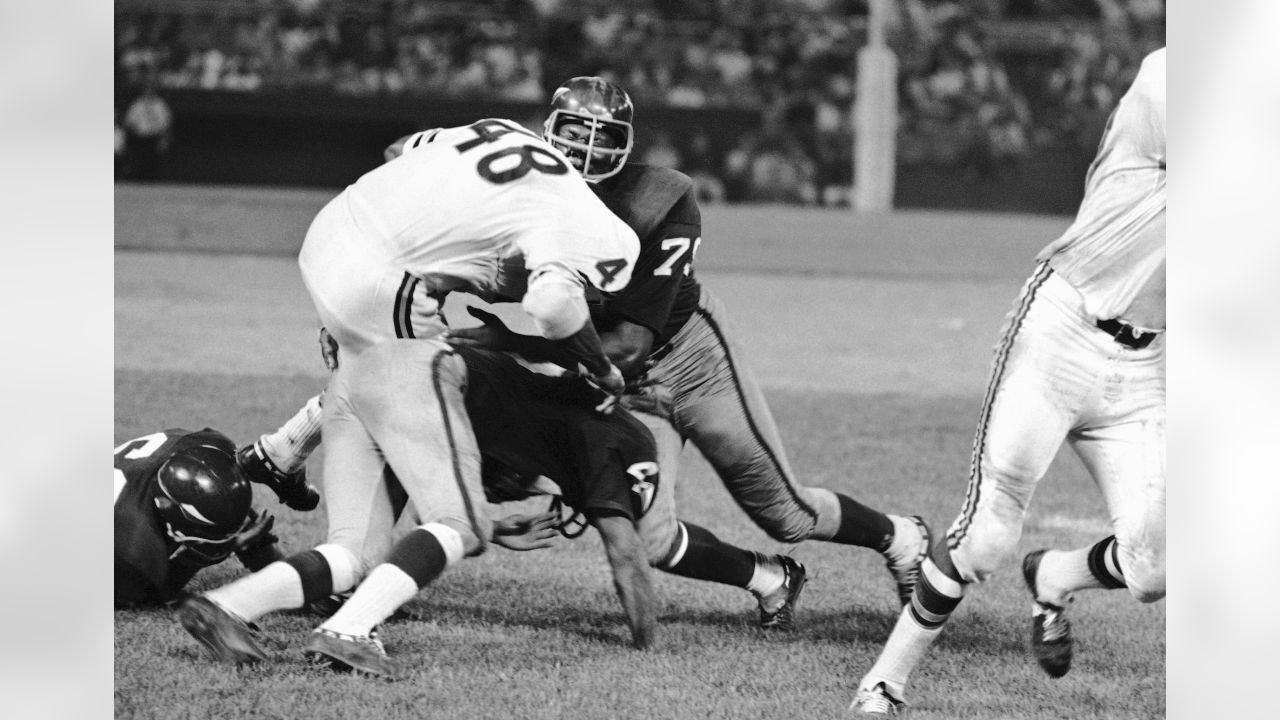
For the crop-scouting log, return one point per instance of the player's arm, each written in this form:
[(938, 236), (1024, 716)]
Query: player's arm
[(625, 551), (556, 303)]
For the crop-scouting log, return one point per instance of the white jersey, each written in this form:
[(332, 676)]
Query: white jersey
[(1114, 252), (460, 199), (460, 204)]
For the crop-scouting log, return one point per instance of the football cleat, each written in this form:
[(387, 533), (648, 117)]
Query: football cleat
[(1051, 642), (905, 567), (291, 488), (783, 600), (875, 701), (357, 653), (225, 636)]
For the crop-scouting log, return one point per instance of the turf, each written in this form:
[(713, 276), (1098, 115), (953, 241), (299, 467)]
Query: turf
[(541, 635)]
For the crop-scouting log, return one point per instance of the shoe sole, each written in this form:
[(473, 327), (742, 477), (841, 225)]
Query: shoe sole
[(228, 646)]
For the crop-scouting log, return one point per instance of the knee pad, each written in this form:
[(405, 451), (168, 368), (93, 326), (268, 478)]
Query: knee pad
[(1144, 573), (982, 551)]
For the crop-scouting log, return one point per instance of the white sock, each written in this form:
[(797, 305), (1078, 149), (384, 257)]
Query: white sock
[(1062, 572), (291, 445), (381, 594), (902, 652), (906, 538), (275, 587), (768, 575)]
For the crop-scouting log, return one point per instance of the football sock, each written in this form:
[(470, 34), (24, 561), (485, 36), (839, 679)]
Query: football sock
[(936, 596), (275, 587), (414, 562), (385, 589), (707, 557), (768, 575), (313, 570), (289, 447), (1062, 572), (862, 526), (906, 538)]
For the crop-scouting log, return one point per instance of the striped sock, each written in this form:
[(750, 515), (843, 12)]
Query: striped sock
[(289, 447), (936, 596), (1063, 572)]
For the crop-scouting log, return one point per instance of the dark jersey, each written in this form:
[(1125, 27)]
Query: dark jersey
[(659, 205), (542, 425), (150, 566)]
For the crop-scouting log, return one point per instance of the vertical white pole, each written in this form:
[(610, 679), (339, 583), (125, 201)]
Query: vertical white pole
[(875, 118)]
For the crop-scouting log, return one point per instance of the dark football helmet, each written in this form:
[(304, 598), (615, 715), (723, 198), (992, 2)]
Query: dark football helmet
[(602, 113), (202, 497)]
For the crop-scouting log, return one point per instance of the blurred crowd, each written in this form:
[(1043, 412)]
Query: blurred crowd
[(983, 83)]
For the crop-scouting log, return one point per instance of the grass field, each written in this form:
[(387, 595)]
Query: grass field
[(875, 380)]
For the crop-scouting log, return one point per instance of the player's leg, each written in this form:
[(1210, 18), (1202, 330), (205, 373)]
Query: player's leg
[(1035, 389), (719, 406), (1127, 460), (278, 459), (360, 515), (682, 548), (409, 395)]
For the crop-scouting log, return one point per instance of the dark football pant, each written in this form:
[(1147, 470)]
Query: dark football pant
[(710, 397)]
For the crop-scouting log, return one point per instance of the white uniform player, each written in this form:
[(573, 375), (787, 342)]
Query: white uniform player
[(1082, 357), (445, 216)]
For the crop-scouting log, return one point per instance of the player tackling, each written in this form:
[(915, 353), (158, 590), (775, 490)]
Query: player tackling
[(1081, 357), (405, 234)]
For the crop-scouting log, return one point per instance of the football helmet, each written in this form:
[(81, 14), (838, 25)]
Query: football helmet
[(590, 122), (201, 496)]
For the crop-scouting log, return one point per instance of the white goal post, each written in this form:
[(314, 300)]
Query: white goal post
[(875, 118)]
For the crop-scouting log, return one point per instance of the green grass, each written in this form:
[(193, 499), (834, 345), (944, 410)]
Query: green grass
[(541, 635)]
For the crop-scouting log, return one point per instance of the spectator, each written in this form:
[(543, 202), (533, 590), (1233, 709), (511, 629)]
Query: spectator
[(148, 124)]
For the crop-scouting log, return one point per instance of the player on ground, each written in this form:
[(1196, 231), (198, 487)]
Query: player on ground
[(687, 377), (181, 506), (440, 219), (1081, 357)]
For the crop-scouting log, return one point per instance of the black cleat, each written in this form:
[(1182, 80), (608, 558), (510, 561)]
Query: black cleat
[(1051, 642), (291, 488), (782, 617), (225, 636)]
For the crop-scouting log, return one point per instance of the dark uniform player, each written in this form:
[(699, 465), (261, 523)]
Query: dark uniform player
[(670, 338), (529, 425), (180, 506)]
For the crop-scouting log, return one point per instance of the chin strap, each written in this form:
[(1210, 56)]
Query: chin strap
[(572, 526)]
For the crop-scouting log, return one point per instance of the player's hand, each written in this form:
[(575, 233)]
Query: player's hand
[(493, 335), (328, 350), (257, 532), (610, 385), (526, 532)]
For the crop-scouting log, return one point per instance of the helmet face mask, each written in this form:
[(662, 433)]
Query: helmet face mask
[(202, 498), (590, 122)]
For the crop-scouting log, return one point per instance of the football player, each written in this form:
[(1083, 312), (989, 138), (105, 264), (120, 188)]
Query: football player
[(1081, 358), (181, 506), (687, 376), (409, 232)]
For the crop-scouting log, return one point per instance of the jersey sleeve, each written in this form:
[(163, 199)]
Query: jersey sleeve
[(664, 261), (603, 254)]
